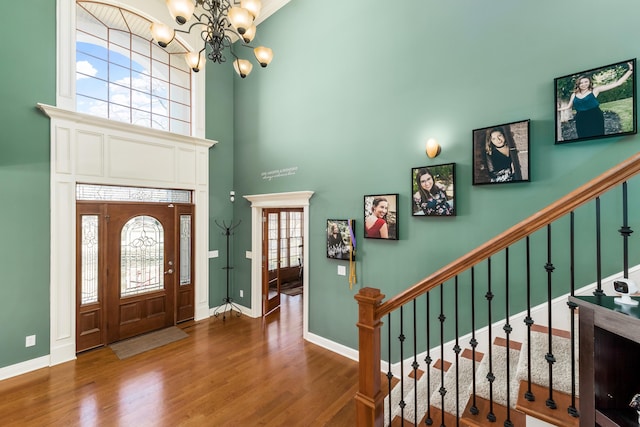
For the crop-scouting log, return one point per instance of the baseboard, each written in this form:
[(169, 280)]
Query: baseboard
[(24, 367), (340, 349)]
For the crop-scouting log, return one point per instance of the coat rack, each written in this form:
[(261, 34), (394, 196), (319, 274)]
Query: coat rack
[(228, 301)]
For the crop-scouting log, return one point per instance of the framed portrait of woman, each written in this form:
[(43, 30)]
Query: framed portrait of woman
[(381, 216), (341, 239), (501, 153), (596, 103), (433, 190)]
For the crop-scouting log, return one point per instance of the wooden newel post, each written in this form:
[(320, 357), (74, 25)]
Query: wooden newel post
[(369, 399)]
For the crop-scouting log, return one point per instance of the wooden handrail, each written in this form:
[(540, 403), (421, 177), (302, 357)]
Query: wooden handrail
[(583, 194)]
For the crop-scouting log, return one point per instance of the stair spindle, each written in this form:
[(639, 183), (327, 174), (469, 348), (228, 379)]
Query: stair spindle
[(549, 356), (572, 309), (598, 291), (441, 318), (490, 376), (507, 330), (528, 320), (474, 343)]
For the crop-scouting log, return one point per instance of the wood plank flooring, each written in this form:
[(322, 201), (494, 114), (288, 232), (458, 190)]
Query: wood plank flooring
[(237, 372)]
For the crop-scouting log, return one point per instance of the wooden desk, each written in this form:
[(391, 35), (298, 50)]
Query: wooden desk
[(609, 361)]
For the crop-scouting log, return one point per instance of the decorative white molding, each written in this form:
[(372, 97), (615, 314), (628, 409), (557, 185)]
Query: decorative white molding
[(93, 150), (297, 199)]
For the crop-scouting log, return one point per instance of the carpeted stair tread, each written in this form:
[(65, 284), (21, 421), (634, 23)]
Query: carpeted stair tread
[(538, 408), (499, 367), (561, 348), (426, 384), (465, 379)]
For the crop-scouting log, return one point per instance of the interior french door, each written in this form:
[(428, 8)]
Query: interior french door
[(281, 252), (134, 270)]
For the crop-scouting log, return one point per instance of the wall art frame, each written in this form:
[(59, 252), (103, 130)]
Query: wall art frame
[(433, 190), (501, 153), (381, 216), (596, 103), (341, 239)]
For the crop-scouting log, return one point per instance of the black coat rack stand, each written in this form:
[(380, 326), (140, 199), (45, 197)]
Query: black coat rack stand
[(228, 301)]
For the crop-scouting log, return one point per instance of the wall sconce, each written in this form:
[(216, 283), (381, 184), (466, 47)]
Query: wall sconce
[(232, 196), (433, 148)]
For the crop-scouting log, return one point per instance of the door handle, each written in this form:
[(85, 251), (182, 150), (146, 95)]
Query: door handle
[(169, 271)]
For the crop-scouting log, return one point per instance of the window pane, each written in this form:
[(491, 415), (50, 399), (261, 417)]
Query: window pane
[(141, 101), (120, 95), (119, 113), (284, 253), (120, 38), (131, 194), (141, 63), (140, 45), (181, 95), (179, 111), (159, 122), (159, 106), (92, 87), (106, 50), (141, 118), (185, 250), (119, 55), (89, 261), (180, 127), (141, 256), (92, 106), (90, 66)]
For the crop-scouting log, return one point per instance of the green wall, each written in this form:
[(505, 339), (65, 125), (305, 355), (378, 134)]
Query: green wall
[(355, 90), (24, 177), (219, 89)]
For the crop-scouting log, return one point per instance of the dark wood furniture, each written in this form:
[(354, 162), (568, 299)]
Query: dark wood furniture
[(609, 361)]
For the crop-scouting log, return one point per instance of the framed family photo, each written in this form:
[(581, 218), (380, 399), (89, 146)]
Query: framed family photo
[(341, 240), (381, 216), (596, 103), (433, 190), (501, 153)]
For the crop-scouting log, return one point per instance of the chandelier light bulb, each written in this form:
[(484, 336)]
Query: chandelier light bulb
[(242, 67), (253, 6), (162, 34), (249, 34), (181, 10), (240, 19), (194, 61), (264, 55)]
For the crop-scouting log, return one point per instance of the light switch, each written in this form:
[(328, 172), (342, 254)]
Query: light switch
[(342, 270)]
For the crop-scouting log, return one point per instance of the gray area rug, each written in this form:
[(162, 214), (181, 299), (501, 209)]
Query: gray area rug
[(136, 345)]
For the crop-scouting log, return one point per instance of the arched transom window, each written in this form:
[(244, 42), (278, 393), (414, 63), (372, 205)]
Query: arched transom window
[(122, 75)]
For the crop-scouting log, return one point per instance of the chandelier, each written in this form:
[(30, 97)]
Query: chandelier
[(220, 22)]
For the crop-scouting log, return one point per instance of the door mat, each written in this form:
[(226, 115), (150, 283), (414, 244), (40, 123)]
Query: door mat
[(136, 345)]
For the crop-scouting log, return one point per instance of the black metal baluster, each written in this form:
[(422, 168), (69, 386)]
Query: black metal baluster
[(549, 356), (507, 330), (389, 373), (598, 291), (625, 231), (529, 322), (401, 338), (456, 349), (428, 420), (441, 318), (415, 366), (572, 308), (490, 376), (474, 343)]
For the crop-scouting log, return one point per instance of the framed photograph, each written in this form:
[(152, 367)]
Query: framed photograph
[(381, 216), (433, 190), (596, 103), (341, 239), (501, 153)]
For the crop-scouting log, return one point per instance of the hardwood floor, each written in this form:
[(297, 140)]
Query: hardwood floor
[(238, 372)]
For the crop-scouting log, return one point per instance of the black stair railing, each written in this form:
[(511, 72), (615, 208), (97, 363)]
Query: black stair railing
[(372, 309)]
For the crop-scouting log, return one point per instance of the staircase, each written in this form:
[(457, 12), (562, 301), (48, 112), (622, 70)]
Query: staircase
[(488, 405), (519, 370)]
